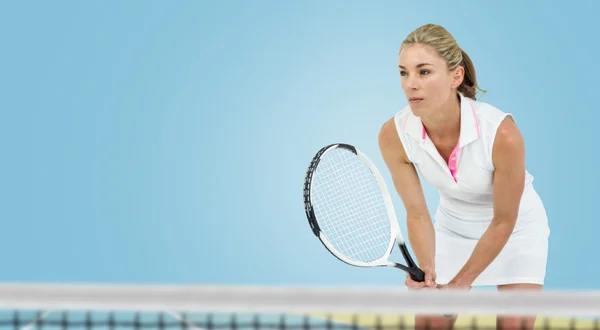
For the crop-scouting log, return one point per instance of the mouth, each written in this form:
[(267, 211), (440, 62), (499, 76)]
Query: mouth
[(415, 99)]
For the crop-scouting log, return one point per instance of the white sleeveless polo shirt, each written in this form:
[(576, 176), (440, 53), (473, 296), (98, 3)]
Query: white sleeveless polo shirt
[(466, 207)]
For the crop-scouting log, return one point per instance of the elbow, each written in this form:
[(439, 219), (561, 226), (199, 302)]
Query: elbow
[(505, 223), (415, 211), (417, 218)]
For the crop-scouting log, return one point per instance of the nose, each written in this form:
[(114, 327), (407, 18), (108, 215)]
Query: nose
[(412, 82)]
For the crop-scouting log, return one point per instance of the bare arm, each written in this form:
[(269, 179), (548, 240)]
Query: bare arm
[(508, 156), (406, 181)]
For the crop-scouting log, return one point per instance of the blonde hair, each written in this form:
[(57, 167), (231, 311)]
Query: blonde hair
[(444, 43)]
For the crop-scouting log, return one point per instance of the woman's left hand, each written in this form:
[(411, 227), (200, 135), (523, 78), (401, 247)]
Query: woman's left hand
[(454, 286)]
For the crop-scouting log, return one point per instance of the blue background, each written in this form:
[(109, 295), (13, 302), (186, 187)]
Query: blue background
[(167, 141)]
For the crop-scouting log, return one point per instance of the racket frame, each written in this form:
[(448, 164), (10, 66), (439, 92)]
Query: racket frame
[(395, 233)]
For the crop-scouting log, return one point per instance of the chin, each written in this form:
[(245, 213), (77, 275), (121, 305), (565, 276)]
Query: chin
[(416, 109)]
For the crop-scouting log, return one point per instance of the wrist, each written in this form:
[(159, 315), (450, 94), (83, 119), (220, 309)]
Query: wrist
[(428, 267), (461, 282)]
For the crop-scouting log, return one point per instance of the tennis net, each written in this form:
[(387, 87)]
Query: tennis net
[(69, 307)]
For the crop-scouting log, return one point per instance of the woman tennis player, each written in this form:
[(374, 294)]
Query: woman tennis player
[(490, 225)]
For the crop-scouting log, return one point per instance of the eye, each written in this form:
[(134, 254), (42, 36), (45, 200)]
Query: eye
[(403, 73), (425, 72)]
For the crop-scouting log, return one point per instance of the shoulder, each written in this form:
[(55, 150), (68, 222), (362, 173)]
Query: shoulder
[(494, 123), (390, 138), (500, 129), (394, 126), (500, 135), (488, 114), (388, 134), (508, 140)]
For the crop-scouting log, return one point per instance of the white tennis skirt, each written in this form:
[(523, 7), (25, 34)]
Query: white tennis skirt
[(522, 260)]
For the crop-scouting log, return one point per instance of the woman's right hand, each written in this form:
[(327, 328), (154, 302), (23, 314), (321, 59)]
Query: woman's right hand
[(428, 283)]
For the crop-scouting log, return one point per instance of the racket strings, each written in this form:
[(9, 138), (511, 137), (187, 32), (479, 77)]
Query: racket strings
[(349, 206), (359, 240)]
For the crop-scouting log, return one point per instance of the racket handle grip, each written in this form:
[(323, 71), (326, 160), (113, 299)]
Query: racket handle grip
[(417, 275)]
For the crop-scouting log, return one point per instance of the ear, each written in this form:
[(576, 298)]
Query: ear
[(458, 76)]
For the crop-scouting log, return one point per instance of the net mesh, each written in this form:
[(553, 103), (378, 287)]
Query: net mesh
[(162, 320), (203, 307), (349, 206)]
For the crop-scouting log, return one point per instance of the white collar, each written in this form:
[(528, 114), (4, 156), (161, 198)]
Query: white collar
[(469, 125)]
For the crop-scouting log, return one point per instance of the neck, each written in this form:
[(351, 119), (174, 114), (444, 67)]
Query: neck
[(444, 123)]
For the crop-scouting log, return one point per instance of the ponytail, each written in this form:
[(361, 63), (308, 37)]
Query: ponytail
[(469, 85)]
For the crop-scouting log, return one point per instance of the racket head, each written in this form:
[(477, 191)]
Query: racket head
[(349, 208)]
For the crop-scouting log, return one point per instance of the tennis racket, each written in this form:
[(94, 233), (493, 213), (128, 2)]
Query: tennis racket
[(350, 210)]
